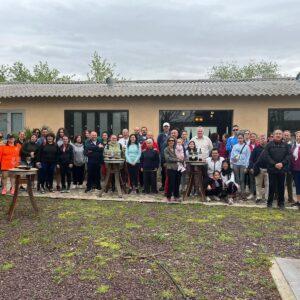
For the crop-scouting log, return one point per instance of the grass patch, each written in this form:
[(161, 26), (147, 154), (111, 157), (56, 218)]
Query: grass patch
[(103, 289), (7, 266)]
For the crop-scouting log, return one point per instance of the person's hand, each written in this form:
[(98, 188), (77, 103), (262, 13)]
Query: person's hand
[(70, 166), (209, 187), (279, 166), (142, 170), (57, 166), (100, 146)]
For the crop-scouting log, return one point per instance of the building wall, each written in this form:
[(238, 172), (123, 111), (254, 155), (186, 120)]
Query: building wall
[(248, 112)]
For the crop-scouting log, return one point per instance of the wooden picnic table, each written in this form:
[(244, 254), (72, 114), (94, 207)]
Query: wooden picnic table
[(19, 174), (196, 168), (113, 170)]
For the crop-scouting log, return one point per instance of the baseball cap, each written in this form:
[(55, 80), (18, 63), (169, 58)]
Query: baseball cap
[(166, 124)]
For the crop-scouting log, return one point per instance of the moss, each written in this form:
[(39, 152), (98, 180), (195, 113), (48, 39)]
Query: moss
[(7, 266)]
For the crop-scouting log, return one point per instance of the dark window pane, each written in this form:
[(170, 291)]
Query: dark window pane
[(90, 121), (3, 123), (78, 128), (103, 121), (16, 122), (116, 122), (285, 119)]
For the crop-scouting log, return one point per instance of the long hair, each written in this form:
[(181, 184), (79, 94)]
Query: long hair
[(57, 134), (136, 140)]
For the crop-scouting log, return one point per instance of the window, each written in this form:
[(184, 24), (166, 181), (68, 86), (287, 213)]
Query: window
[(285, 119), (112, 121), (11, 122)]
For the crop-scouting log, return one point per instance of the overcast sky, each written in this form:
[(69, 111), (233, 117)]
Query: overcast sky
[(160, 39)]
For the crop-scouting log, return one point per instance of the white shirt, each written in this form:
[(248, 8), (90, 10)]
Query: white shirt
[(204, 144), (227, 180), (123, 142), (213, 165)]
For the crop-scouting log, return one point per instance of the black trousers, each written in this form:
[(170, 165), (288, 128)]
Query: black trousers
[(214, 192), (174, 177), (47, 174), (276, 184), (93, 176), (150, 181), (65, 171), (133, 172), (163, 174), (78, 174)]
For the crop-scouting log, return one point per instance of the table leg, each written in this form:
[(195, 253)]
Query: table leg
[(189, 187), (117, 174), (201, 190), (107, 181), (30, 179), (15, 198)]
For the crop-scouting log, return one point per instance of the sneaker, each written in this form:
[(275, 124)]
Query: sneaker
[(4, 191), (63, 190), (80, 186), (74, 186), (250, 197), (161, 189), (208, 199), (22, 188), (67, 190), (42, 190), (137, 191), (87, 190), (51, 190), (58, 187), (258, 200), (12, 191), (296, 204), (216, 198), (230, 201)]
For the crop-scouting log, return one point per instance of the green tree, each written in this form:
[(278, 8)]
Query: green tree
[(262, 69), (19, 73), (43, 73), (3, 73), (100, 69)]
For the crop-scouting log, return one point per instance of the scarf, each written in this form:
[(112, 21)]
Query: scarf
[(296, 151)]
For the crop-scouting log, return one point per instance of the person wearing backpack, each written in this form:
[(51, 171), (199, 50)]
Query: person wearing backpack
[(239, 159)]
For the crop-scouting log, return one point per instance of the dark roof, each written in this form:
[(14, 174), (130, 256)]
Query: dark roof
[(151, 88)]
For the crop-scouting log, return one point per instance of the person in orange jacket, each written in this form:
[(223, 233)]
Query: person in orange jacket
[(9, 158)]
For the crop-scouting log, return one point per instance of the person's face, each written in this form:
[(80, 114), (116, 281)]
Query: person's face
[(61, 133), (125, 133), (149, 145), (247, 135), (78, 140), (149, 135), (253, 138), (166, 128), (262, 140), (37, 132), (33, 138), (216, 176), (44, 132), (215, 155), (94, 136), (224, 139), (174, 134), (87, 134), (287, 136), (240, 139), (22, 135), (65, 140), (225, 166), (133, 139), (298, 137), (235, 130), (179, 142), (104, 136), (136, 130), (271, 137), (278, 135), (50, 139), (184, 135), (11, 140), (171, 142), (192, 146), (120, 136), (200, 133), (113, 139), (144, 130)]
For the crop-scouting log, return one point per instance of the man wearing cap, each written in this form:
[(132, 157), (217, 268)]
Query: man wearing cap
[(161, 141)]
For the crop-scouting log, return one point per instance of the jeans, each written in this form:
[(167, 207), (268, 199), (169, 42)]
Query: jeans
[(150, 181), (133, 172), (239, 174), (276, 184), (78, 174), (47, 174), (260, 179), (163, 174), (174, 177), (65, 171), (93, 176)]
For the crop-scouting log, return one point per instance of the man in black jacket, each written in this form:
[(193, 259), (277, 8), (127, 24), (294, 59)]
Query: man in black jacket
[(94, 152), (277, 157)]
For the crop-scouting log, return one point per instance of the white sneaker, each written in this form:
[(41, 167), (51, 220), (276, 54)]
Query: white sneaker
[(250, 197), (230, 201), (216, 198), (208, 199), (74, 186), (80, 186)]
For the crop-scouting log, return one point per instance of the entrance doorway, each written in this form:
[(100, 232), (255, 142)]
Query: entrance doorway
[(219, 121)]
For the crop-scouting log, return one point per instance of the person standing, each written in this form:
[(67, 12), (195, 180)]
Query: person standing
[(46, 161), (233, 139), (296, 167), (258, 169), (133, 155), (222, 146), (79, 162), (239, 159), (287, 137), (173, 174), (249, 177), (203, 144), (277, 155), (30, 150), (65, 164), (94, 153), (43, 138), (184, 136), (9, 159), (161, 141), (149, 166)]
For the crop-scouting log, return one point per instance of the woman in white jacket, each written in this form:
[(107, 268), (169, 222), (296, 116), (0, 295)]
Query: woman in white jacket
[(230, 186)]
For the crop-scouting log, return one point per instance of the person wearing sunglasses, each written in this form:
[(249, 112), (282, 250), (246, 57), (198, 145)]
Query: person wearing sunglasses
[(233, 140), (173, 174)]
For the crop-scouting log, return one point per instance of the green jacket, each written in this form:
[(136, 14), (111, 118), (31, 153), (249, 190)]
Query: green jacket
[(170, 159)]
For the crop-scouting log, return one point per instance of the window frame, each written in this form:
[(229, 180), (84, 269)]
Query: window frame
[(9, 112), (281, 110)]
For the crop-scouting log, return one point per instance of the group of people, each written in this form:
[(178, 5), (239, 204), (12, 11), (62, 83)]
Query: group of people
[(263, 165)]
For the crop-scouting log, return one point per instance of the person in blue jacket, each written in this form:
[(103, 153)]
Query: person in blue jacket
[(233, 140)]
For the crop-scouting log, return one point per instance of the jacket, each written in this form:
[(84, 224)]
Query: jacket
[(48, 153), (133, 153), (203, 145), (155, 146), (277, 153), (295, 163), (213, 165), (9, 157), (162, 143), (79, 157), (65, 157), (255, 160), (27, 148), (240, 155), (231, 141), (170, 159), (93, 152), (150, 159)]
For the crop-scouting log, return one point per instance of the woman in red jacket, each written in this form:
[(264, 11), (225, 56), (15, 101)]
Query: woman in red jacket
[(9, 158)]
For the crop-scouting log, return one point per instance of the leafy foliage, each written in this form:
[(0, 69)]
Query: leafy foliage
[(262, 69)]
